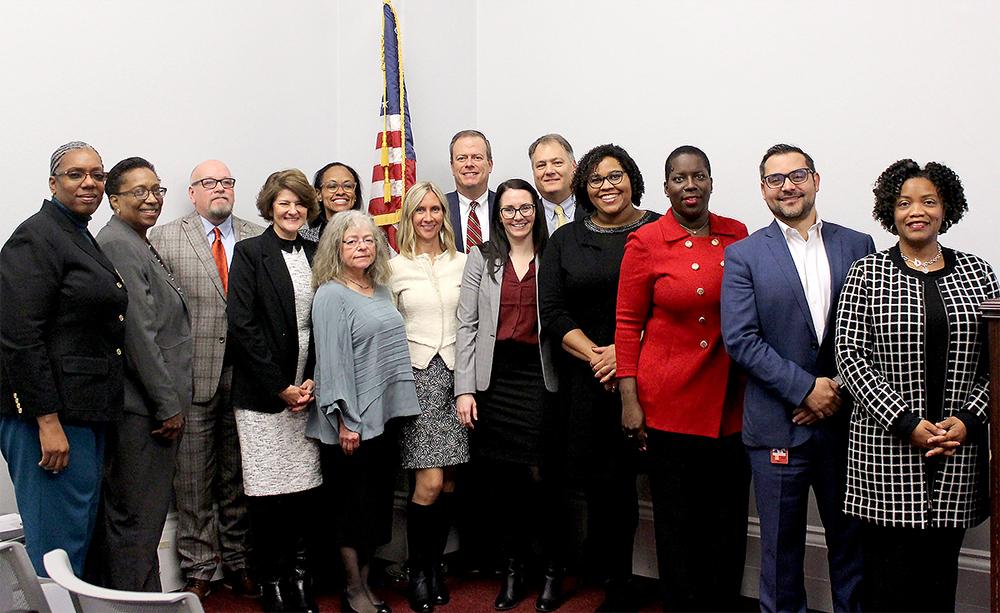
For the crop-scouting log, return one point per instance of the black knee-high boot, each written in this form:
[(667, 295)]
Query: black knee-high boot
[(420, 537), (268, 531), (442, 527)]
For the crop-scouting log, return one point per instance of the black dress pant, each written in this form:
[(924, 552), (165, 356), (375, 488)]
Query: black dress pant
[(910, 569), (701, 491), (612, 512)]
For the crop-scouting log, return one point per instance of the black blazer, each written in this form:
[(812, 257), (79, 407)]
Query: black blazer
[(263, 332), (62, 323)]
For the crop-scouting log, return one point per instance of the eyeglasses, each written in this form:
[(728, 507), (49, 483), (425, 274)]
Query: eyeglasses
[(776, 180), (614, 178), (210, 182), (347, 186), (141, 193), (510, 212), (353, 243), (77, 176)]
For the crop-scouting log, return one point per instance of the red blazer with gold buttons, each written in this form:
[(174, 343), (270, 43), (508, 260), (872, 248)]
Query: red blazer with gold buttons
[(668, 332)]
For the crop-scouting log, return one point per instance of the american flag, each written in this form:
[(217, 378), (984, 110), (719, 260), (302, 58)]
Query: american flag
[(395, 168)]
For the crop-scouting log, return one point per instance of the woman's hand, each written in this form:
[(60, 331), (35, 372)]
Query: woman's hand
[(465, 405), (52, 439), (349, 440), (947, 444), (295, 397), (922, 435), (308, 389), (170, 428), (604, 364), (633, 417)]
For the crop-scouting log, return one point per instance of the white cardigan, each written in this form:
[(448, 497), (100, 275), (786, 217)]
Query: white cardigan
[(426, 294)]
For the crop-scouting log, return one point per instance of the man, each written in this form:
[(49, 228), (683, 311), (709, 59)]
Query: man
[(471, 165), (553, 164), (198, 248), (779, 297)]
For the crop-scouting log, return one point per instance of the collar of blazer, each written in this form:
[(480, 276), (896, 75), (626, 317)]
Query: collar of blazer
[(274, 265), (195, 232), (85, 242)]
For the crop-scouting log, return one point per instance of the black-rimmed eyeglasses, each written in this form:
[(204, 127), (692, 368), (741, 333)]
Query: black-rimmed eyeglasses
[(510, 212), (614, 178), (141, 193), (776, 180), (211, 182)]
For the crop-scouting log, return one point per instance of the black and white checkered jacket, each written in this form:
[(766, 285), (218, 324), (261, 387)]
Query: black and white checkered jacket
[(880, 355)]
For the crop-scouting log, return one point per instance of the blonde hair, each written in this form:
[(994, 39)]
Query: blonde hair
[(407, 236), (327, 265)]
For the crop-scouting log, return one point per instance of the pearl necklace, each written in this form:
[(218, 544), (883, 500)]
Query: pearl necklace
[(921, 265)]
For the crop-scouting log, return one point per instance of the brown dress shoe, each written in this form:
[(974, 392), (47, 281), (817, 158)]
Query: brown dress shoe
[(241, 583), (199, 587)]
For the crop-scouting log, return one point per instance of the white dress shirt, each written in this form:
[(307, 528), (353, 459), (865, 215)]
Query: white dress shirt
[(569, 210), (482, 211), (813, 267), (228, 236)]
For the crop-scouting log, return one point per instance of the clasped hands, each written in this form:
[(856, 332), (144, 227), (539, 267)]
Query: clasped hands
[(605, 366), (822, 402), (943, 438), (298, 397)]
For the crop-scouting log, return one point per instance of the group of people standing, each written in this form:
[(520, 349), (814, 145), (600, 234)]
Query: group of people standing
[(291, 370)]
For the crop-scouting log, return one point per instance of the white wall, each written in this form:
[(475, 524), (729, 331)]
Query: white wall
[(265, 85)]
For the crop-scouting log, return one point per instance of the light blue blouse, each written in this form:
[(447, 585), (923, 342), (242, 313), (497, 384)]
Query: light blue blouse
[(363, 370)]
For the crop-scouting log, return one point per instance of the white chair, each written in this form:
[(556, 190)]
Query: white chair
[(91, 598), (20, 589)]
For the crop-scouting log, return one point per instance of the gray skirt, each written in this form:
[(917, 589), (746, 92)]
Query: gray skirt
[(435, 438)]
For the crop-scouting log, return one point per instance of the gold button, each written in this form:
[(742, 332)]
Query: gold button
[(701, 291), (695, 266), (118, 351), (722, 263), (702, 320), (688, 244), (119, 284), (715, 242), (121, 318), (704, 344), (222, 339)]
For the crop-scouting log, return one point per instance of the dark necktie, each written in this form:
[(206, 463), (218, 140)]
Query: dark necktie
[(473, 233)]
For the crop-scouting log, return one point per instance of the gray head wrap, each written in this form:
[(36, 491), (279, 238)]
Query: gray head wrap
[(61, 152)]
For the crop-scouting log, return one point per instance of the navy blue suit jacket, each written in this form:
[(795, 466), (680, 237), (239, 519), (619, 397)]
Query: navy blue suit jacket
[(455, 213), (768, 330)]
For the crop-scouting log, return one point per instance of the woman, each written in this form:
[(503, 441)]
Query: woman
[(62, 337), (364, 381), (338, 189), (910, 347), (426, 278), (269, 312), (141, 448), (578, 291), (504, 369), (682, 398)]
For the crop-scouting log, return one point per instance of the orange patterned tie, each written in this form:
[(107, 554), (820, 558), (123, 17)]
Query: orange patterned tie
[(219, 253)]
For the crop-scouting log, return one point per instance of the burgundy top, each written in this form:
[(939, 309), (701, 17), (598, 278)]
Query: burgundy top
[(518, 306)]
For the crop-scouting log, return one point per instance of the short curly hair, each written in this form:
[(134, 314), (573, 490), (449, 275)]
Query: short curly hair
[(589, 162), (890, 184)]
